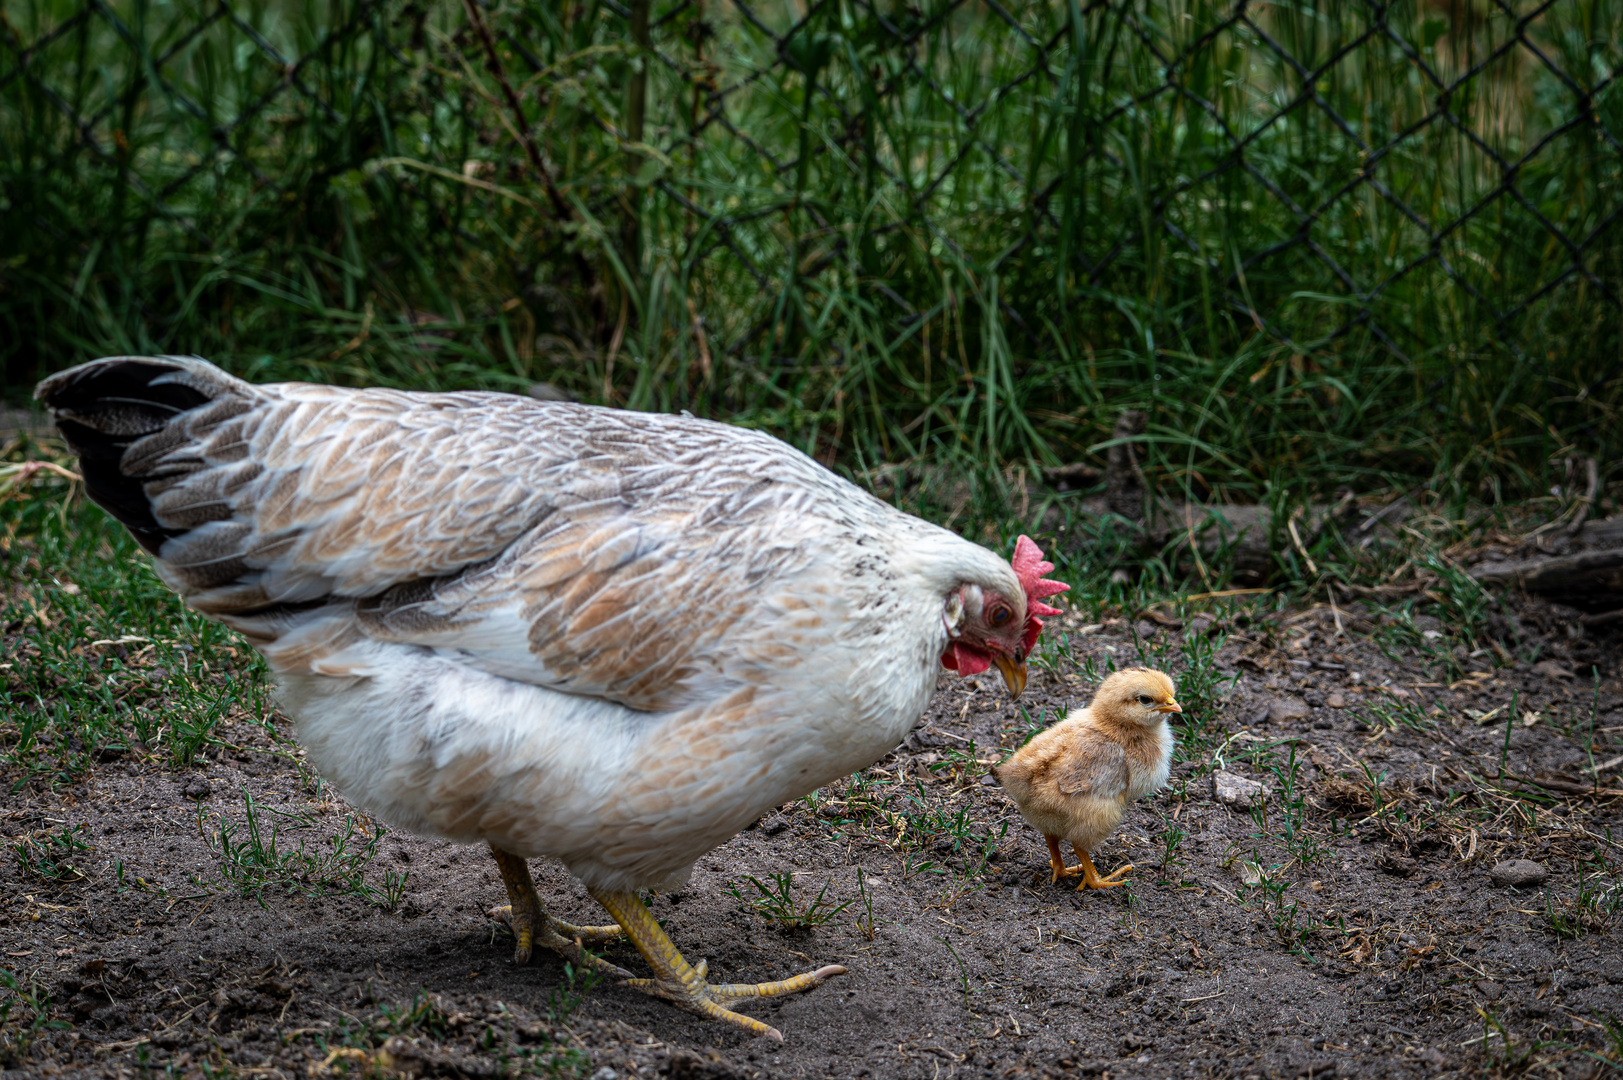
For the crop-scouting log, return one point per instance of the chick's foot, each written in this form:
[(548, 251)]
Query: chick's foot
[(1090, 875), (532, 926), (684, 984), (1056, 862)]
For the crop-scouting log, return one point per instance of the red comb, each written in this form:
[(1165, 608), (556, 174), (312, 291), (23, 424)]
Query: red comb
[(1030, 566)]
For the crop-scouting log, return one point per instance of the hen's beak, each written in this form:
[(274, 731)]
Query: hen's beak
[(1014, 675), (1171, 706)]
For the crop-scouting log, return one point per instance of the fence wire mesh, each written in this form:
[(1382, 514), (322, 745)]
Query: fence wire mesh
[(968, 199)]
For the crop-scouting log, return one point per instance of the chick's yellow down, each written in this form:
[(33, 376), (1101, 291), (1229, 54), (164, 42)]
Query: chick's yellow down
[(1074, 780)]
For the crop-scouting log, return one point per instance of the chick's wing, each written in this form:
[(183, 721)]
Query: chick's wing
[(1093, 766)]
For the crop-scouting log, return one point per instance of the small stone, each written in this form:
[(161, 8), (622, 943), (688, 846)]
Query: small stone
[(545, 391), (1314, 698), (1489, 989), (1234, 790), (1552, 669), (1519, 873), (1336, 700), (1399, 865), (774, 825), (1285, 709), (197, 789), (988, 780)]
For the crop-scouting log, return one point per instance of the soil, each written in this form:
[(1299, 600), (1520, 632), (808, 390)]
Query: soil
[(1400, 957)]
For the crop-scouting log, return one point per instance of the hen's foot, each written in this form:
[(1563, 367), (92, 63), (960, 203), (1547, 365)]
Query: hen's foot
[(1090, 875), (684, 984), (1056, 862), (532, 926)]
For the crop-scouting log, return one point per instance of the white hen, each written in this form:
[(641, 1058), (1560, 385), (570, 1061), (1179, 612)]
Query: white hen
[(609, 638)]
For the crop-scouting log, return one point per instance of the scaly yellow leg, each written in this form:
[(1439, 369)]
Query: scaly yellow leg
[(532, 926), (1090, 875), (1056, 861), (678, 981)]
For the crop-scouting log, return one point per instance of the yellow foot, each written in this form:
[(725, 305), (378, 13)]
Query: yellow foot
[(532, 926), (684, 984), (1090, 875), (1056, 862)]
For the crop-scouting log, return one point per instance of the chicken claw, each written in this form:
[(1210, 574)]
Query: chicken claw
[(531, 925), (1090, 874), (684, 984), (1056, 862)]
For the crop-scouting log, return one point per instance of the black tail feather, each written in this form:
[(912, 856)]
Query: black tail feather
[(104, 407)]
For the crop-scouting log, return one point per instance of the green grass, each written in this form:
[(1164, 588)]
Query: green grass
[(961, 240)]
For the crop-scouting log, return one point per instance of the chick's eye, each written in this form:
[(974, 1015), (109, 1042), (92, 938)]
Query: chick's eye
[(1144, 699), (999, 616)]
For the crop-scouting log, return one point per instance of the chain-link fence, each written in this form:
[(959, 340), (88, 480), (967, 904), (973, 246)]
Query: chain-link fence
[(967, 218)]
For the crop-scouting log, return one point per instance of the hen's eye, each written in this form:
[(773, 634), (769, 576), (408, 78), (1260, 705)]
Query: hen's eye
[(999, 616)]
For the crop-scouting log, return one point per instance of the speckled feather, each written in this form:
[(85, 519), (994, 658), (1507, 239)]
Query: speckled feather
[(608, 637)]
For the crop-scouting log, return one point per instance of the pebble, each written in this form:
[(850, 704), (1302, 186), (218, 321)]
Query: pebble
[(1284, 709), (1233, 790), (1551, 669), (1489, 989), (1336, 700), (197, 789), (1519, 872)]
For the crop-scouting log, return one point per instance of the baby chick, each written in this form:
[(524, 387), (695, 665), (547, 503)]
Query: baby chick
[(1074, 780)]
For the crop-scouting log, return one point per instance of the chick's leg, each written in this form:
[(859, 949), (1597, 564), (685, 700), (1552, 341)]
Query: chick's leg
[(1090, 875), (532, 926), (1056, 861), (678, 981)]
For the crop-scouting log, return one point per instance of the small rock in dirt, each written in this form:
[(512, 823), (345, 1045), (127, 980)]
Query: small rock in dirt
[(774, 825), (545, 391), (197, 789), (1489, 989), (1552, 669), (1287, 709), (1135, 1041), (988, 780), (1336, 700), (1399, 865), (1313, 698), (1233, 790), (1519, 872)]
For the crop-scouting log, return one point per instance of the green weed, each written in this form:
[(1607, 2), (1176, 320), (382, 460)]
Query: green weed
[(776, 902), (50, 856), (257, 854)]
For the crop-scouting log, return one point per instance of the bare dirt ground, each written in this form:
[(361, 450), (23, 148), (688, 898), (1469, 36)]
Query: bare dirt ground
[(232, 917)]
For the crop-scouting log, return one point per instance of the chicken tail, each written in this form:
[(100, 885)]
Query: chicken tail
[(126, 416)]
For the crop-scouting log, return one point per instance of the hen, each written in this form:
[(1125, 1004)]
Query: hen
[(1074, 780), (608, 638)]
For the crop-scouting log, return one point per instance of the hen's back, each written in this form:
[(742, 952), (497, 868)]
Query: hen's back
[(529, 535)]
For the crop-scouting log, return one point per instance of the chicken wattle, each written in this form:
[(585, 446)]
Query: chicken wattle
[(608, 638)]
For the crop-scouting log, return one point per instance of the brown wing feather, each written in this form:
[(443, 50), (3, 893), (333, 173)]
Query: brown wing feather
[(595, 550)]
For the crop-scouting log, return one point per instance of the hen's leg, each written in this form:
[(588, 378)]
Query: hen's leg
[(532, 926), (1090, 875), (1056, 861), (683, 983)]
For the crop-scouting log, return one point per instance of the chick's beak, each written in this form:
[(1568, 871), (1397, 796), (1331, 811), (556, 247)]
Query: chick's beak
[(1171, 706), (1014, 674)]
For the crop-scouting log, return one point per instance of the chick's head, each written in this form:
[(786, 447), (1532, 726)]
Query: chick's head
[(1138, 696)]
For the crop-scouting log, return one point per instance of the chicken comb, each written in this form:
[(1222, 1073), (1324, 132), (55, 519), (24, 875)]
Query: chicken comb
[(1030, 566)]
